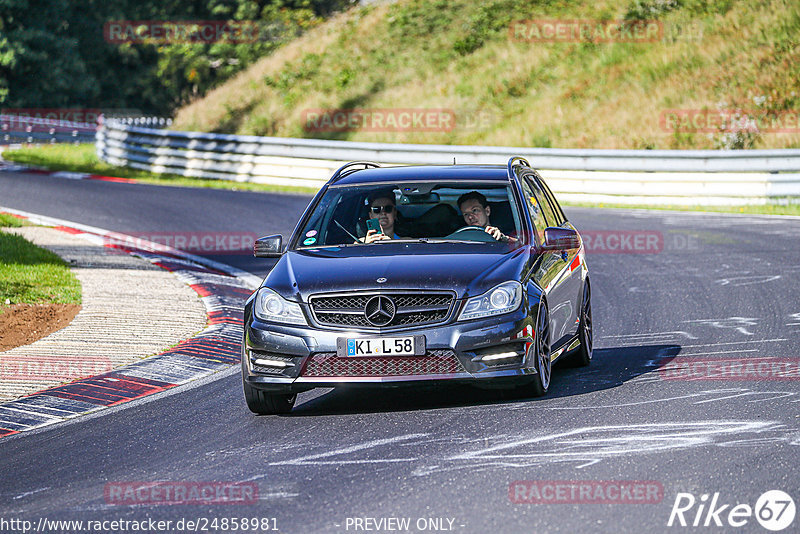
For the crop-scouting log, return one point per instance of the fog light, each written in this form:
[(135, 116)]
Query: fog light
[(271, 363), (499, 356)]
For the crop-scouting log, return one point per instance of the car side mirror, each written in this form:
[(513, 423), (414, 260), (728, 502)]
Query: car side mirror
[(268, 247), (560, 239)]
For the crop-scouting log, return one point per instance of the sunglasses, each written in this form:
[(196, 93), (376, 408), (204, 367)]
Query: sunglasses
[(378, 209)]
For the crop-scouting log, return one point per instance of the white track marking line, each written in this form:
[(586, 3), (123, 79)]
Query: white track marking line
[(716, 352), (736, 342), (655, 334), (353, 448), (738, 323), (742, 394)]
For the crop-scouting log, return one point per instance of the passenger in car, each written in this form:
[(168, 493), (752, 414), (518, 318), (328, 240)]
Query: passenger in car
[(382, 207), (476, 211)]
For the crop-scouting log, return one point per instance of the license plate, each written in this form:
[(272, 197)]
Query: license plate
[(380, 346)]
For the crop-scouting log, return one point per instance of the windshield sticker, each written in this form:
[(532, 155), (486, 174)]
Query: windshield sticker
[(310, 241), (311, 233)]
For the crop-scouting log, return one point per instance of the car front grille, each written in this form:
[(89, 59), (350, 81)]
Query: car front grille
[(410, 309), (435, 362)]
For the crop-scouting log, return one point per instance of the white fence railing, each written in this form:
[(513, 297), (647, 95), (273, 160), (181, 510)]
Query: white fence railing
[(625, 176)]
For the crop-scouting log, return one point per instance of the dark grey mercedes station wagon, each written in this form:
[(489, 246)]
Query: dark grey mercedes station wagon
[(406, 275)]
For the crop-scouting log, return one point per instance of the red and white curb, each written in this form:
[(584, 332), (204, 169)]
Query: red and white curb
[(7, 166), (223, 290)]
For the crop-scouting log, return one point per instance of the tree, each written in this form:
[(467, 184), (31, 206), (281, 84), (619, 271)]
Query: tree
[(53, 52)]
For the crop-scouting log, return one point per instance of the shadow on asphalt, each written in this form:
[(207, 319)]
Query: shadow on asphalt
[(610, 368)]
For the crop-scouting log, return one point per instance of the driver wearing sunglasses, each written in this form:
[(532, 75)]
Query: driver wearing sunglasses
[(383, 208)]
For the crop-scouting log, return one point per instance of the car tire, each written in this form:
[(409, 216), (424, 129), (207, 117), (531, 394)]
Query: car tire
[(583, 356), (264, 403), (539, 352)]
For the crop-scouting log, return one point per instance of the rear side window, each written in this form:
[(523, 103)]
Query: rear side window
[(547, 209), (537, 215), (556, 208)]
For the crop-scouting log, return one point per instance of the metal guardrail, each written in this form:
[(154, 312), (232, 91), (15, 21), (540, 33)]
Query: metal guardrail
[(23, 129), (18, 128), (640, 176)]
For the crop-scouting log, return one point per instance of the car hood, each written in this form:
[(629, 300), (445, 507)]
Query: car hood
[(467, 269)]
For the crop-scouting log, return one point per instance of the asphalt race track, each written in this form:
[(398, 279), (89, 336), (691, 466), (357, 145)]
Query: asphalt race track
[(697, 288)]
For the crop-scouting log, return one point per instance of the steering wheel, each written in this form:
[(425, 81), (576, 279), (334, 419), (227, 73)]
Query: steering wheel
[(472, 233)]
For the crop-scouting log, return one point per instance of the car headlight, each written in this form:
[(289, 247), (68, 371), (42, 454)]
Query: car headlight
[(504, 298), (271, 307)]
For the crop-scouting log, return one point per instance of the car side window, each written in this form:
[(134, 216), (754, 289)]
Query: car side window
[(547, 209), (537, 216), (557, 211)]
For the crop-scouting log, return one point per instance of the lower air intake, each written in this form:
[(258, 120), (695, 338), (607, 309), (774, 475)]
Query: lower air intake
[(435, 362)]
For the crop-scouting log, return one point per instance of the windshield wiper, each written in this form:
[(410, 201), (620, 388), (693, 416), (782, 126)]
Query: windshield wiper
[(441, 240)]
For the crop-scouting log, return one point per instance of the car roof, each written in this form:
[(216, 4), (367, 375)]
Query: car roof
[(425, 172)]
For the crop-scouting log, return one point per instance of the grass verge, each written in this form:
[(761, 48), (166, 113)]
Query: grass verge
[(9, 221), (500, 85), (33, 275), (748, 209), (82, 158)]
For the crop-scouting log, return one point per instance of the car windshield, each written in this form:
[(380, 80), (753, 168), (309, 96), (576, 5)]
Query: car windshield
[(420, 212)]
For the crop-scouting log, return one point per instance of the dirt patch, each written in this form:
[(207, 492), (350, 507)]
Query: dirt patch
[(21, 324)]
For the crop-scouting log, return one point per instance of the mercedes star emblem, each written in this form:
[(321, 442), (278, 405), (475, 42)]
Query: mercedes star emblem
[(379, 310)]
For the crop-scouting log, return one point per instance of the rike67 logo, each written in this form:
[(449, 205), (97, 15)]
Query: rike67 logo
[(774, 510)]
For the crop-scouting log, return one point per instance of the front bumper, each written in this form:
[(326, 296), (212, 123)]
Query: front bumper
[(302, 358)]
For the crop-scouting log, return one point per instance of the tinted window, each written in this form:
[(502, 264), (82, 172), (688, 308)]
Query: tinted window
[(556, 208), (542, 199), (537, 216)]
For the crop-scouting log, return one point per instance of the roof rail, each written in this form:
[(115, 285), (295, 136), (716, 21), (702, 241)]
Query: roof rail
[(522, 160), (340, 172), (511, 163)]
